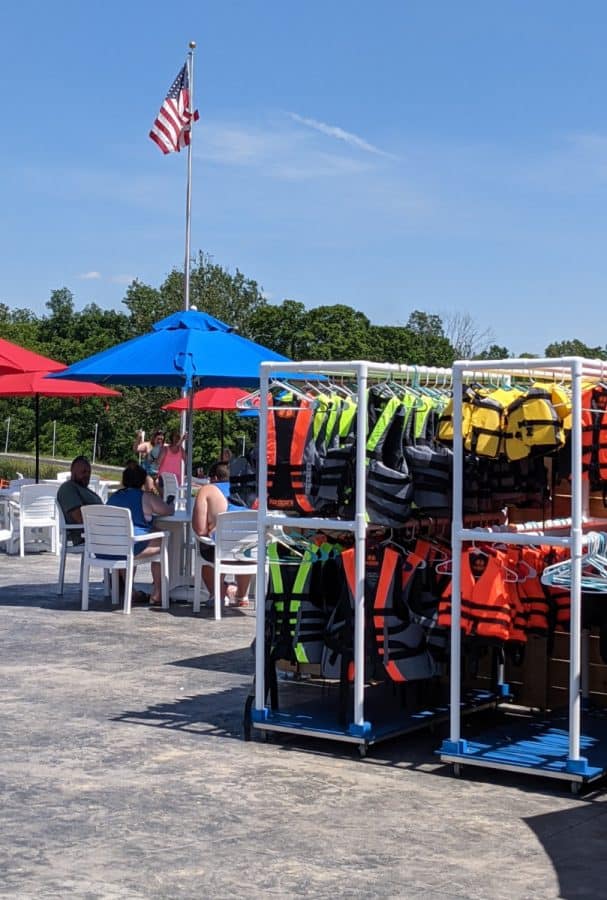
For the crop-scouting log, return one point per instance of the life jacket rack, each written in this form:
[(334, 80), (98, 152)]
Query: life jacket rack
[(356, 726), (575, 756)]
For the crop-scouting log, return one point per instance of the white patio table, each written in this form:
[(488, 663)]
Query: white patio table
[(181, 581)]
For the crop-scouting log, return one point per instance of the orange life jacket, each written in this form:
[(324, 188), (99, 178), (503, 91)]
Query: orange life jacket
[(594, 436), (518, 615), (533, 594), (485, 602)]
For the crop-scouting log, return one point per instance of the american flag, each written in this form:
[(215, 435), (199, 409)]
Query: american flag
[(171, 130)]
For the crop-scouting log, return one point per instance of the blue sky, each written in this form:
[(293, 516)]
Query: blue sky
[(392, 156)]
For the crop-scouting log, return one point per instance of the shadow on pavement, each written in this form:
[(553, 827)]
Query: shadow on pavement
[(236, 662), (574, 839), (218, 714)]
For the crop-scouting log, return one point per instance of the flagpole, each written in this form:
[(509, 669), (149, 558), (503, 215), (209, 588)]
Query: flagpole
[(187, 423), (188, 200), (186, 420)]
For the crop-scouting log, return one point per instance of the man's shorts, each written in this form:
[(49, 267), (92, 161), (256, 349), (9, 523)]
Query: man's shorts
[(207, 551)]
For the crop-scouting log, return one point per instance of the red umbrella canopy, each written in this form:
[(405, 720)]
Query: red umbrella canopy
[(14, 358), (36, 384), (210, 399), (26, 384)]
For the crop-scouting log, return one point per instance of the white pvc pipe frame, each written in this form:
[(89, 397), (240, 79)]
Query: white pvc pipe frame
[(563, 368), (575, 369), (358, 371)]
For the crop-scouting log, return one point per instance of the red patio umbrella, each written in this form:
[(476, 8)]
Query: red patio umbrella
[(211, 400), (34, 384), (14, 358)]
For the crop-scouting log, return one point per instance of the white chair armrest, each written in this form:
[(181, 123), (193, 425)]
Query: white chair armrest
[(152, 535)]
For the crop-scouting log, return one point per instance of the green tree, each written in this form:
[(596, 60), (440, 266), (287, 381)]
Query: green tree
[(282, 328), (231, 298), (575, 348), (337, 333), (432, 347), (494, 352), (392, 343)]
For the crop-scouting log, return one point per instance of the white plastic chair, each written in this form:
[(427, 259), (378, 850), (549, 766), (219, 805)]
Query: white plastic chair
[(235, 533), (6, 526), (66, 548), (108, 530), (37, 510), (63, 476), (15, 484)]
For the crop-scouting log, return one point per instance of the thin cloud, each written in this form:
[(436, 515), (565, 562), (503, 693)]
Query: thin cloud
[(90, 276), (273, 151), (122, 279), (353, 140)]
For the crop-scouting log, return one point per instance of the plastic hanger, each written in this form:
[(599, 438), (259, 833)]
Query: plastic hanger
[(445, 567), (391, 542), (594, 567)]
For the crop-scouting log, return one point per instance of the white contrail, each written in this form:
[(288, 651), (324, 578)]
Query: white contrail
[(341, 135)]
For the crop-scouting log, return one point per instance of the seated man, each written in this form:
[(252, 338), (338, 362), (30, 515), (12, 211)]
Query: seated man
[(211, 500), (75, 493)]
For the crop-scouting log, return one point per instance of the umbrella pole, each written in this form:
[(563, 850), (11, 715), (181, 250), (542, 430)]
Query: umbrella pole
[(37, 438), (221, 433)]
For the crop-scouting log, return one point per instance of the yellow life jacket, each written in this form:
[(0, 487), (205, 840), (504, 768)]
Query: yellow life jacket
[(532, 426), (561, 400), (485, 435), (445, 422)]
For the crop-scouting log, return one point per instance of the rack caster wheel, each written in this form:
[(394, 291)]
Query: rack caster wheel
[(246, 721), (576, 787), (362, 750)]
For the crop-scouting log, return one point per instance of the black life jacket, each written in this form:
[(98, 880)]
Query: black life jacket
[(294, 605), (337, 461), (243, 479), (431, 469), (389, 483), (400, 636), (423, 594)]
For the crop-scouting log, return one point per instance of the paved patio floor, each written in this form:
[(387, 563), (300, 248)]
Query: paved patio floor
[(124, 775)]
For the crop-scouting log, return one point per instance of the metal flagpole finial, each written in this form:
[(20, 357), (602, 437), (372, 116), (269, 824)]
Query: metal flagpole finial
[(192, 45)]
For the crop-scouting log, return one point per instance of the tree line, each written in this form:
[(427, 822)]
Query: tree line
[(336, 332)]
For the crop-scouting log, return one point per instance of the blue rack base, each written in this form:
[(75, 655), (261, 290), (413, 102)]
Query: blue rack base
[(536, 747), (306, 716)]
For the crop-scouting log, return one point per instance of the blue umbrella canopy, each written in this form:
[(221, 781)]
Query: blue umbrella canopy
[(189, 348)]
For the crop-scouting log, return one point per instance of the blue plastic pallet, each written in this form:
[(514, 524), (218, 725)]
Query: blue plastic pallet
[(536, 746), (315, 719)]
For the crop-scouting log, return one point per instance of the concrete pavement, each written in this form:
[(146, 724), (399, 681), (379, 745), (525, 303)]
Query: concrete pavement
[(124, 775)]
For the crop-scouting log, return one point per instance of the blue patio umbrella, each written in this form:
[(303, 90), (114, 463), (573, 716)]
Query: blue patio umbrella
[(187, 349)]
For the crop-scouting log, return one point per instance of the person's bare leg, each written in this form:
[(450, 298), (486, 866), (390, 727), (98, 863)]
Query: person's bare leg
[(207, 578), (121, 580), (156, 596), (151, 549), (242, 595)]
